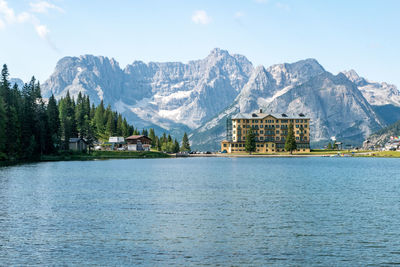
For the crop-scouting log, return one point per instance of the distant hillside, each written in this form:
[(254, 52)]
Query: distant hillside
[(383, 135), (388, 113)]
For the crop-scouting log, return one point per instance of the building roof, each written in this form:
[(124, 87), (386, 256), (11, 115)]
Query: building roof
[(134, 137), (275, 115), (76, 139)]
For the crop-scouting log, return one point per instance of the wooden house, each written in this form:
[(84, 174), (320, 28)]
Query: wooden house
[(138, 143)]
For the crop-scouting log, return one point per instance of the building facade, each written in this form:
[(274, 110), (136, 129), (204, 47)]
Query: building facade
[(270, 132), (138, 143), (77, 144)]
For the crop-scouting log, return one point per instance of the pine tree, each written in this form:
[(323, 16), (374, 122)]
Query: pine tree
[(15, 118), (163, 139), (158, 144), (169, 138), (145, 132), (4, 84), (65, 123), (11, 119), (28, 120), (250, 143), (152, 136), (185, 143), (89, 132), (329, 146), (99, 118), (176, 146), (290, 143), (335, 146), (125, 128), (119, 125), (54, 123), (80, 113), (110, 127), (71, 115), (3, 154)]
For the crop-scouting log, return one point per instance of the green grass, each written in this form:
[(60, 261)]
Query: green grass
[(313, 152), (381, 154), (105, 155)]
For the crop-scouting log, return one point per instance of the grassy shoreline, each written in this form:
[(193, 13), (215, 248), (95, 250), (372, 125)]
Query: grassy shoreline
[(313, 153), (95, 155), (104, 155)]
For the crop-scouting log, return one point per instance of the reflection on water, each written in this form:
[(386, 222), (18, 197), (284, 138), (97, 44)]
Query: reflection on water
[(198, 211)]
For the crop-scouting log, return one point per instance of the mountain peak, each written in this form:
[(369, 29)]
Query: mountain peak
[(219, 51), (310, 63), (351, 74)]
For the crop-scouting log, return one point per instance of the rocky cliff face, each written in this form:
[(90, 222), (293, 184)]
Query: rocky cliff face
[(169, 94), (377, 94), (200, 95), (334, 103)]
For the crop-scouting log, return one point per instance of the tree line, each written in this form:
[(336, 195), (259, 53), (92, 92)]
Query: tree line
[(30, 127), (167, 144)]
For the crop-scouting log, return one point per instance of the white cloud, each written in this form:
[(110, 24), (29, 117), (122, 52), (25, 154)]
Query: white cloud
[(6, 12), (8, 17), (24, 17), (43, 7), (239, 15), (201, 17), (42, 31)]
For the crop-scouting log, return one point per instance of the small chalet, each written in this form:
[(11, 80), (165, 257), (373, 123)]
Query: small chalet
[(116, 142), (77, 144), (138, 143)]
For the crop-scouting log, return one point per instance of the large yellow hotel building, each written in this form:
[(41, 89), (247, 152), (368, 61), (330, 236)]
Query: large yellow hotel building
[(270, 131)]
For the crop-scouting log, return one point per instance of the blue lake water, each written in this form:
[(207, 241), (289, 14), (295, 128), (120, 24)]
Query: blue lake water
[(202, 211)]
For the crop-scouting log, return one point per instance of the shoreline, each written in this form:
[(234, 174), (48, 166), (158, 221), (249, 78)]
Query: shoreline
[(107, 155)]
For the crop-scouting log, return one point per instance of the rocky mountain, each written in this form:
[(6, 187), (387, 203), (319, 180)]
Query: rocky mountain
[(334, 103), (170, 95), (200, 95), (377, 94), (382, 136)]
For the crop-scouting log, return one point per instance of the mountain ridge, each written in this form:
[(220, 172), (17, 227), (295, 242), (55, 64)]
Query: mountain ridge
[(198, 95)]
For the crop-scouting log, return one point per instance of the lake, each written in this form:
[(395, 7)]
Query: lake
[(202, 211)]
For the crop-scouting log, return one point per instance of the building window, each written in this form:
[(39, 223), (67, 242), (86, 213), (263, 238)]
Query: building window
[(261, 138), (297, 138), (224, 145)]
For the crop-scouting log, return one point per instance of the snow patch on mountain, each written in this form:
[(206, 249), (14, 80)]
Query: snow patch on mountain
[(377, 94)]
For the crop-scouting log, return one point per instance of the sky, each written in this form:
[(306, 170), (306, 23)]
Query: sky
[(341, 35)]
